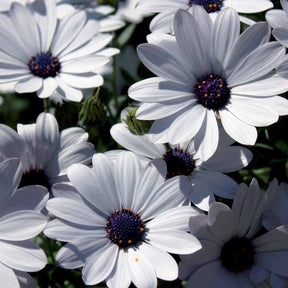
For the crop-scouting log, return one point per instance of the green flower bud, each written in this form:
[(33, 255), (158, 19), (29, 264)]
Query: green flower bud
[(93, 111), (135, 126)]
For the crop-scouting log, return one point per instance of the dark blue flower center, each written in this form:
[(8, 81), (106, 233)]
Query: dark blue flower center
[(44, 65), (125, 228), (209, 5), (212, 92), (179, 162), (237, 255), (34, 177)]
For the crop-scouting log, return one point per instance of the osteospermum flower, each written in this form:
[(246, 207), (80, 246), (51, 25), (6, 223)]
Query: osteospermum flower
[(235, 252), (125, 224), (94, 11), (20, 220), (44, 152), (51, 56), (163, 22), (208, 73), (206, 178), (128, 12)]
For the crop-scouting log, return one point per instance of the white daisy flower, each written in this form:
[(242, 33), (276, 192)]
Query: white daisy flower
[(163, 22), (94, 11), (233, 253), (44, 152), (206, 178), (128, 220), (128, 12), (209, 73), (20, 220), (48, 55), (278, 20)]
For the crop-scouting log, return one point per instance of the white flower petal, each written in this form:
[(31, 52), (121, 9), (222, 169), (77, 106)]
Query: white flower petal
[(10, 176), (127, 172), (258, 63), (75, 212), (226, 30), (26, 26), (139, 144), (141, 272), (156, 89), (181, 129), (22, 225), (8, 277), (163, 264), (172, 219), (277, 18), (86, 80), (237, 129), (30, 257), (99, 266), (49, 85), (163, 63), (29, 84), (176, 242)]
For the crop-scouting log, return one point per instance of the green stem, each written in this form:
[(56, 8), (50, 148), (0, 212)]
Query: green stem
[(47, 105), (115, 78)]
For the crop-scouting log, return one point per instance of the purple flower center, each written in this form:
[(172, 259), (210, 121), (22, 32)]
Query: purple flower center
[(209, 5), (179, 162), (125, 228), (34, 177), (212, 92), (237, 255), (44, 65)]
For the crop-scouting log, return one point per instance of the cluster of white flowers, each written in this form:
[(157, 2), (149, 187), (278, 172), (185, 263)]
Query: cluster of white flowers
[(165, 207)]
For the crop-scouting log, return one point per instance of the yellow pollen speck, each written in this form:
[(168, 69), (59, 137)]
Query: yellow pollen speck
[(210, 5), (199, 86), (142, 229), (205, 95), (215, 5), (36, 67), (211, 76), (136, 259), (220, 86), (203, 82), (218, 95), (129, 241), (117, 211), (120, 241), (53, 66)]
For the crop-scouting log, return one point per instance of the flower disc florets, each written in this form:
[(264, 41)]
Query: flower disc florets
[(209, 5), (125, 228), (212, 91), (179, 162), (237, 255), (44, 65), (34, 177)]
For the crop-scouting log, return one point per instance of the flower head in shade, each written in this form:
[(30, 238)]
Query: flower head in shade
[(163, 22), (206, 177), (209, 73), (121, 222), (20, 220), (278, 20), (94, 11), (235, 251), (128, 12), (51, 56), (44, 152)]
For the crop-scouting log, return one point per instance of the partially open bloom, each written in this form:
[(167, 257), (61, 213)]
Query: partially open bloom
[(163, 22), (208, 73), (121, 222), (44, 152), (20, 220), (235, 251), (51, 56)]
